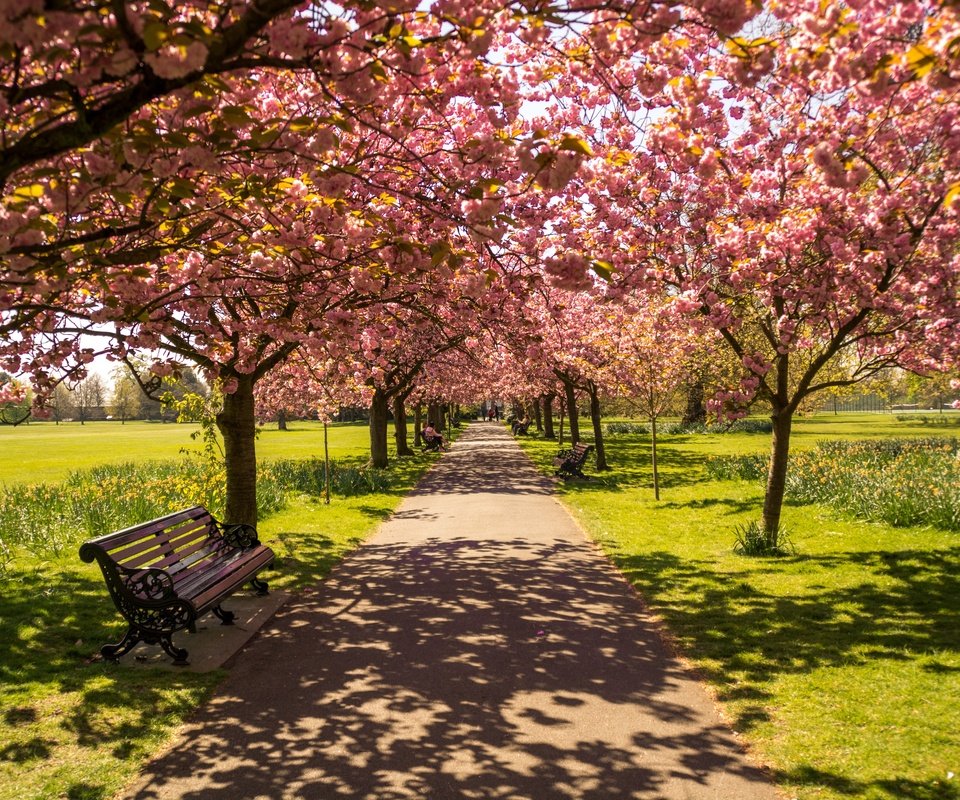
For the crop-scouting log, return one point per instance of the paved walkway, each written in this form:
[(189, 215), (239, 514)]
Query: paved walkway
[(476, 647)]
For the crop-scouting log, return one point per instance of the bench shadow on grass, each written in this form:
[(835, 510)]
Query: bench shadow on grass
[(746, 637)]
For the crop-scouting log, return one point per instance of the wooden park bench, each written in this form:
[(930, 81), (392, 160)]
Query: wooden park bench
[(569, 463), (163, 575)]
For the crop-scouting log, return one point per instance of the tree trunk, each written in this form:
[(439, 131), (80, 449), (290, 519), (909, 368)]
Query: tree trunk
[(281, 420), (537, 415), (777, 474), (417, 425), (548, 416), (379, 405), (696, 411), (562, 410), (400, 427), (237, 423), (574, 415), (326, 465), (598, 448), (656, 474)]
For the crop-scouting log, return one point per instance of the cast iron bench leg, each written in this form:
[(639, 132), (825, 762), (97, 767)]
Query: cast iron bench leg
[(178, 654), (225, 617), (112, 652)]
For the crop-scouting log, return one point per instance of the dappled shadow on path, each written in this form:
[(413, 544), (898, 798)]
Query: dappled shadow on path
[(458, 667), (484, 460)]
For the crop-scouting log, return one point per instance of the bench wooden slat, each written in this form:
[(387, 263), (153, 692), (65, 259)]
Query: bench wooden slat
[(171, 558), (159, 547), (237, 573), (136, 532), (125, 546)]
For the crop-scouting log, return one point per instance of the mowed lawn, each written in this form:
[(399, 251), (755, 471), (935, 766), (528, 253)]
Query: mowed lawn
[(840, 666), (45, 452)]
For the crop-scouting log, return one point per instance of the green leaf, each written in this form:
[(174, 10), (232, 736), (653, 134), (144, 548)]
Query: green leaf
[(438, 252), (218, 83), (603, 269), (33, 190), (576, 145), (300, 124), (921, 60), (180, 187), (235, 116), (197, 110), (155, 34)]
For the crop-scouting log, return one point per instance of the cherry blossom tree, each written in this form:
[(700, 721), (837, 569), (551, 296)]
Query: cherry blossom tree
[(797, 191), (226, 185), (653, 353)]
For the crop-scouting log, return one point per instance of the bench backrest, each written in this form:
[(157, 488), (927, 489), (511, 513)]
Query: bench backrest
[(162, 543)]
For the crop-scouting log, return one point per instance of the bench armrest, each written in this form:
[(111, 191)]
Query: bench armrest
[(240, 535), (148, 585)]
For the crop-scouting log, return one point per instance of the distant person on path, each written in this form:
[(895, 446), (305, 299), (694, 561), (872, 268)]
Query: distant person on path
[(490, 414)]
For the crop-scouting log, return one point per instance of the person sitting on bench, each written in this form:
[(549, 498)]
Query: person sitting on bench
[(520, 426), (432, 438)]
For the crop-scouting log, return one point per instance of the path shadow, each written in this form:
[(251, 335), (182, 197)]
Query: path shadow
[(456, 668)]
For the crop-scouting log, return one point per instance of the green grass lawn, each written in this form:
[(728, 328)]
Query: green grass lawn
[(77, 728), (841, 665), (44, 452)]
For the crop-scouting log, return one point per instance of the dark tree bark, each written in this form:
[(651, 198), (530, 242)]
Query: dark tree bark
[(417, 425), (282, 420), (379, 406), (598, 448), (777, 473), (238, 426), (537, 416), (548, 432), (400, 426), (653, 458), (696, 410), (570, 391)]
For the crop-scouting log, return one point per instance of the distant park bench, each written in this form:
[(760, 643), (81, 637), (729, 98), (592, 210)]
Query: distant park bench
[(163, 575), (569, 463), (520, 428)]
